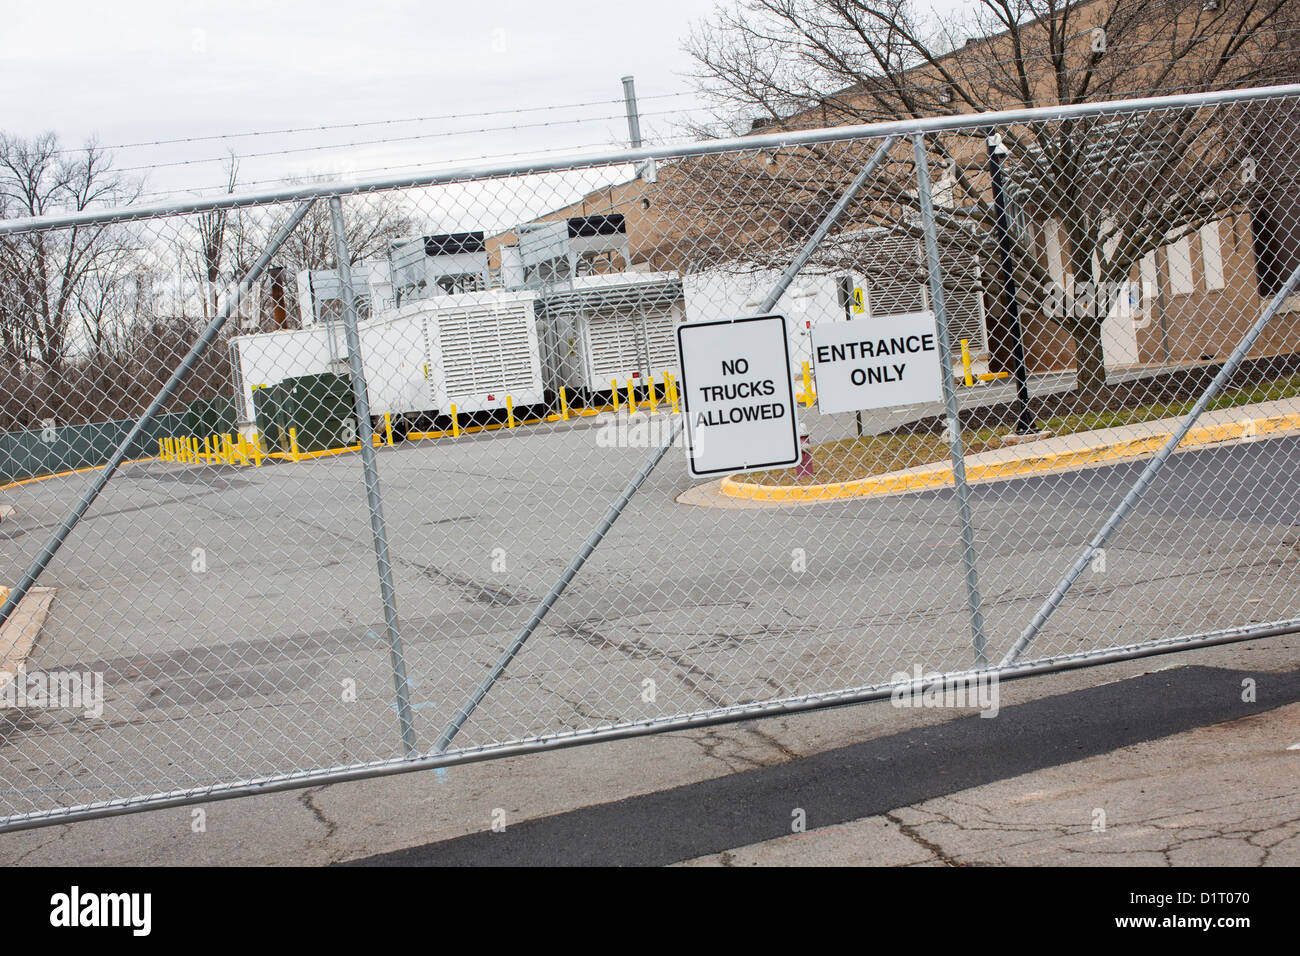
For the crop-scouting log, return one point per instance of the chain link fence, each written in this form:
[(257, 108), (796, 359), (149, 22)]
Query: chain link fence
[(405, 481)]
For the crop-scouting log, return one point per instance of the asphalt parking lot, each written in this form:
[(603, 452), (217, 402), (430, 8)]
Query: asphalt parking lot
[(235, 614)]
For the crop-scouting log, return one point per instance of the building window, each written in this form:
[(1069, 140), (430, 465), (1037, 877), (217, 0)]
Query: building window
[(1211, 255), (1179, 259)]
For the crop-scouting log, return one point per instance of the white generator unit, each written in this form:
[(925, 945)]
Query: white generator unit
[(731, 292), (550, 252), (471, 350), (268, 358), (481, 347), (898, 283), (611, 328), (393, 357)]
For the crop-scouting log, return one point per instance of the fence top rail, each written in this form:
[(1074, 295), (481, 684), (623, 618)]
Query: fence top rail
[(581, 159)]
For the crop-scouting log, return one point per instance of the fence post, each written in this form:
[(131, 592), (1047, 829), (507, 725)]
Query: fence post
[(1006, 268), (370, 470), (950, 400)]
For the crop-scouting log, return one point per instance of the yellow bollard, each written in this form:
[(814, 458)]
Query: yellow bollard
[(654, 402), (613, 391), (807, 387), (564, 405), (388, 428), (965, 363), (510, 412), (631, 398), (257, 449), (185, 451), (293, 443), (207, 450), (671, 386), (164, 451), (161, 456), (455, 423)]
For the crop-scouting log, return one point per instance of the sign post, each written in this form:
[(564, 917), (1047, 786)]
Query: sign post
[(738, 395)]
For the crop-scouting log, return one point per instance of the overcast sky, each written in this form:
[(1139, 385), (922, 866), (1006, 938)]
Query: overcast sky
[(129, 72), (132, 72)]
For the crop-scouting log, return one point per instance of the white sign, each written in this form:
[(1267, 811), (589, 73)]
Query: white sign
[(737, 395), (877, 363)]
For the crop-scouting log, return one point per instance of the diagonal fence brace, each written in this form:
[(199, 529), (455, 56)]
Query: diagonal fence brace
[(1152, 469), (616, 509)]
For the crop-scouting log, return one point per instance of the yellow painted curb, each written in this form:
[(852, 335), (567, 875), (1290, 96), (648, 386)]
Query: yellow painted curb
[(19, 633), (307, 455), (939, 475), (74, 471)]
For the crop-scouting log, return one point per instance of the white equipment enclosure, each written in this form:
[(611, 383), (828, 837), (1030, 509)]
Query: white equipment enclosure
[(268, 358), (482, 347), (612, 328)]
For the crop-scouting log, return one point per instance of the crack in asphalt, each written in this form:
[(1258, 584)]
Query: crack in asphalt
[(909, 831), (473, 590)]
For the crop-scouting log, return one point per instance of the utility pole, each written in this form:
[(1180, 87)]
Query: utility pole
[(1024, 420), (647, 169)]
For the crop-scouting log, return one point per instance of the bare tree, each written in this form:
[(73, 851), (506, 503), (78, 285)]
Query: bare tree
[(371, 222), (211, 228), (1120, 188), (106, 300), (43, 272)]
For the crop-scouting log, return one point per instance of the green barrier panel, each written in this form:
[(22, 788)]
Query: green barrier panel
[(57, 448), (320, 410), (210, 416)]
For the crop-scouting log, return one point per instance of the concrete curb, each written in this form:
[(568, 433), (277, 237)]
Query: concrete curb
[(20, 632), (1009, 466), (6, 511)]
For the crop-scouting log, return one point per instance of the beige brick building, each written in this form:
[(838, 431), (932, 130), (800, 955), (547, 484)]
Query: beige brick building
[(1187, 300)]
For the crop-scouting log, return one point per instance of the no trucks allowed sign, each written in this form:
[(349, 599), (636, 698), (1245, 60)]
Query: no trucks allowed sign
[(737, 394)]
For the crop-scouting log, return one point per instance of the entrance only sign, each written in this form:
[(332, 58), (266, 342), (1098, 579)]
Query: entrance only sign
[(877, 362)]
